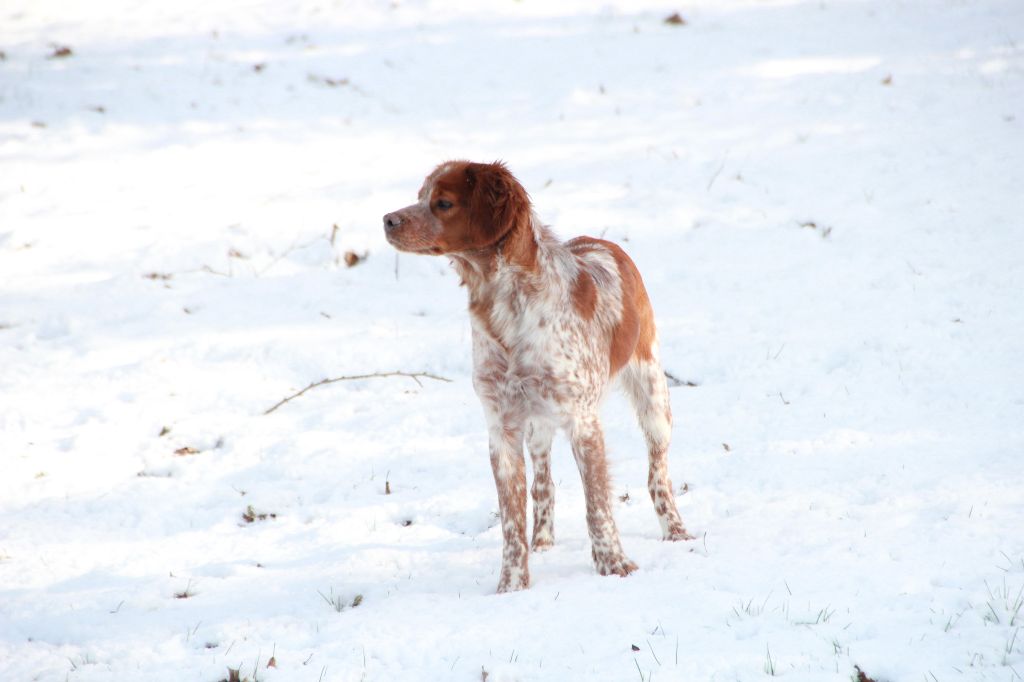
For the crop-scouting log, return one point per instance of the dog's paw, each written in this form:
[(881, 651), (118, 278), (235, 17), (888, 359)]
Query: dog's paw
[(675, 533), (513, 579), (614, 564), (542, 542)]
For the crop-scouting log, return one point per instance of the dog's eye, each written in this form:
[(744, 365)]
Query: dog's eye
[(443, 204)]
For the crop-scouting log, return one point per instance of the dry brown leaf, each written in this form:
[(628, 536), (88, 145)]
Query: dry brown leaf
[(250, 515), (861, 677), (352, 258)]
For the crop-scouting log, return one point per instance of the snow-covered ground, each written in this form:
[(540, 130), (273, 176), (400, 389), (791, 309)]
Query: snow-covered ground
[(825, 199)]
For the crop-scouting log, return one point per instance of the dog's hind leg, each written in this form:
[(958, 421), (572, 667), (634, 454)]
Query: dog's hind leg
[(645, 385)]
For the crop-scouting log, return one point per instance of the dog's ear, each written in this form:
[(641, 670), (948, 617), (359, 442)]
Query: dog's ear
[(497, 202)]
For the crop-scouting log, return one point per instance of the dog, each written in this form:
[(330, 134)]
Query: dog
[(553, 323)]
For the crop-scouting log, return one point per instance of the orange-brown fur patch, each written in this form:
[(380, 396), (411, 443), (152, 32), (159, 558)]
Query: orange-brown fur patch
[(635, 338), (490, 212), (634, 335), (584, 295)]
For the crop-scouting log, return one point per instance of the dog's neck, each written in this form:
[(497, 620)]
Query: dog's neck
[(520, 255)]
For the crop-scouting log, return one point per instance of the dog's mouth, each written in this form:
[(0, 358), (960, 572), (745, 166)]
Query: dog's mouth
[(412, 248)]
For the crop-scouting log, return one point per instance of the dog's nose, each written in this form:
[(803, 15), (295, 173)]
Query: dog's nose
[(391, 221)]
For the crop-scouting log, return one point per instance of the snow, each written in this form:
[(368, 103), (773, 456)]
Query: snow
[(824, 198)]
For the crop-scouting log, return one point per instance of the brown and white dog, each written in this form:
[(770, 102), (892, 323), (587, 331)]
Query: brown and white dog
[(553, 323)]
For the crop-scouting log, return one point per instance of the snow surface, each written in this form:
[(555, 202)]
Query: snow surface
[(825, 200)]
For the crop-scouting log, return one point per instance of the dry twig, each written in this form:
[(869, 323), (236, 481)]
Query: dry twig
[(415, 376)]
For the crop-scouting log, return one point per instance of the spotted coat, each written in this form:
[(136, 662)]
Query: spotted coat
[(554, 324)]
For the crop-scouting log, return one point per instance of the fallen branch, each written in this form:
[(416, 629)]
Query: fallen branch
[(415, 376)]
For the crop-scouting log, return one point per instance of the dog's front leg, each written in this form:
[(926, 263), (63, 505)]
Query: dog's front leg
[(506, 446), (587, 442)]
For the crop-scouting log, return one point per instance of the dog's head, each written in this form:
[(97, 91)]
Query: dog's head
[(463, 207)]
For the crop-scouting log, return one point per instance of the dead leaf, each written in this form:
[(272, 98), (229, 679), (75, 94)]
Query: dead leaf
[(861, 677), (185, 451), (352, 258), (329, 82), (811, 225), (887, 80), (61, 51), (250, 515), (675, 19)]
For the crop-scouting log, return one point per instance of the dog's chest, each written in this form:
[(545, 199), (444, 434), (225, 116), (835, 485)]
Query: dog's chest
[(532, 349)]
